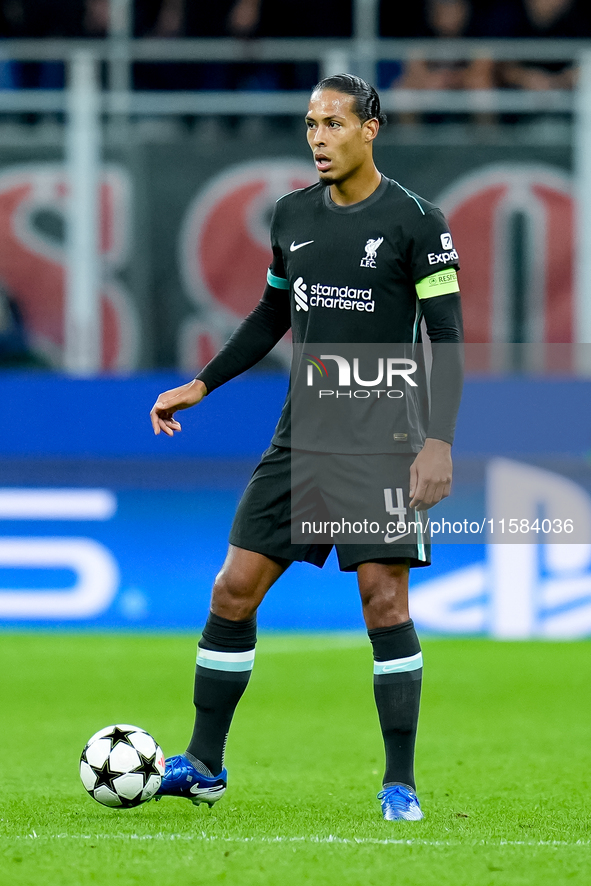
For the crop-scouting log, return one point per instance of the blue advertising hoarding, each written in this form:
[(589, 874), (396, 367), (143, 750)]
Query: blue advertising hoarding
[(104, 525)]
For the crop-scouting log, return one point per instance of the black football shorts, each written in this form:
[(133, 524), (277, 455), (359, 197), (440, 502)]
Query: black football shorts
[(297, 505)]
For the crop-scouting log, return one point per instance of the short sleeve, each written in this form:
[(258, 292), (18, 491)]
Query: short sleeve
[(276, 275), (432, 248)]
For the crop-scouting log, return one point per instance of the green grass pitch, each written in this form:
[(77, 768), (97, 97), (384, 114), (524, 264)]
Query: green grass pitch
[(503, 766)]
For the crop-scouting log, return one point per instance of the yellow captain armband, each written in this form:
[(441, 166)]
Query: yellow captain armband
[(441, 283)]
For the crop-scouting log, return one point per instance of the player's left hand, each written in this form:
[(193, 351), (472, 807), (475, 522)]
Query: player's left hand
[(430, 475)]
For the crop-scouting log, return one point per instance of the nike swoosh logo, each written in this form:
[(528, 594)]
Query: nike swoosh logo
[(390, 538), (297, 246)]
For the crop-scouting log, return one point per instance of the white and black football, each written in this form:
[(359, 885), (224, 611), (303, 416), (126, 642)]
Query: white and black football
[(122, 766)]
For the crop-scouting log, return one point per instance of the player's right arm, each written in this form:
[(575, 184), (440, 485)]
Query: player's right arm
[(252, 340), (255, 337), (163, 410)]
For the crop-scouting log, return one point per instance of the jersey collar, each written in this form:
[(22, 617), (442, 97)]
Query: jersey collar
[(356, 207)]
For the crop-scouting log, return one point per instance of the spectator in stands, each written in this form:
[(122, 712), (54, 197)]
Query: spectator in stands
[(539, 18), (451, 19), (159, 18), (244, 19), (151, 18), (267, 18), (97, 17), (228, 18), (171, 18), (446, 19)]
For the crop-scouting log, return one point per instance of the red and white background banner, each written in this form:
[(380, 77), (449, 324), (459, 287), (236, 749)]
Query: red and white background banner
[(184, 244), (33, 258)]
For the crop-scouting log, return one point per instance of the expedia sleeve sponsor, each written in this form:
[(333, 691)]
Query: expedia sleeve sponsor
[(432, 247)]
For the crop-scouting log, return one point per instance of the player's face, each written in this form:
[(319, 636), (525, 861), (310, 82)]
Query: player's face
[(339, 140)]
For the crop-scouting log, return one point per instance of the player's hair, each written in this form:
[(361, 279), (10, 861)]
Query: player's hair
[(367, 101)]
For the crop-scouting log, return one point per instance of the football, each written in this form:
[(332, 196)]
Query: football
[(122, 766)]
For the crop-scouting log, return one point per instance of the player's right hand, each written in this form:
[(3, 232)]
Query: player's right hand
[(163, 410)]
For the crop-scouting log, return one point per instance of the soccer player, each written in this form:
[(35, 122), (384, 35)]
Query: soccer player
[(391, 252)]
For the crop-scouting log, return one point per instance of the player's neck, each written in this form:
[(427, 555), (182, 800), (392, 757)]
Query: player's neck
[(357, 188)]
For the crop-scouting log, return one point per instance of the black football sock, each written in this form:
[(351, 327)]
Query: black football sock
[(398, 671), (224, 661)]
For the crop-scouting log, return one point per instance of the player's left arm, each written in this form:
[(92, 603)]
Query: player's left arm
[(431, 472), (433, 264)]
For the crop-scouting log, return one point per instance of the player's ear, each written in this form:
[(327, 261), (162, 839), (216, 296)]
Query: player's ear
[(370, 129)]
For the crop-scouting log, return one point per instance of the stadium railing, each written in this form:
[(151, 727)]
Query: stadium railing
[(331, 55), (86, 102)]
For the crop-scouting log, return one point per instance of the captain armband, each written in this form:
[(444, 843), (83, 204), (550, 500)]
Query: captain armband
[(441, 283)]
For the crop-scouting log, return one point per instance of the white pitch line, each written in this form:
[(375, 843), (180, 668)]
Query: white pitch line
[(331, 838)]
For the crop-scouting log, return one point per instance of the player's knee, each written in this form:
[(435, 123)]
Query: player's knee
[(384, 610), (384, 592), (376, 594), (233, 595)]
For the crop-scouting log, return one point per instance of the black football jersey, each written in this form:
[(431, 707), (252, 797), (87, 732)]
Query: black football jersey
[(351, 270), (359, 274)]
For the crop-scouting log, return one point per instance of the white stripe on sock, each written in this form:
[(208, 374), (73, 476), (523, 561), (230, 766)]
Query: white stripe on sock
[(399, 665), (225, 661)]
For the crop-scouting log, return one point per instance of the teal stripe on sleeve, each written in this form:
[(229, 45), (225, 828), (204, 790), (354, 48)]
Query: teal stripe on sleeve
[(277, 282)]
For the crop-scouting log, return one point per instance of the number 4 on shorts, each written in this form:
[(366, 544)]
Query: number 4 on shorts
[(398, 511)]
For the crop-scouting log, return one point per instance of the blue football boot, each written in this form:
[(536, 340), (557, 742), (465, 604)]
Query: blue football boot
[(400, 802), (181, 779)]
